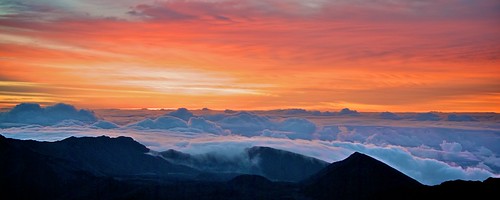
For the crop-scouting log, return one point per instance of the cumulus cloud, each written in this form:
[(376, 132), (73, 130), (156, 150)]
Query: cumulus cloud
[(245, 123), (69, 123), (427, 117), (181, 113), (214, 117), (164, 122), (389, 115), (350, 134), (328, 133), (293, 111), (299, 128), (29, 113), (229, 111), (299, 111), (416, 136), (206, 126), (451, 146), (460, 118), (105, 125), (274, 134), (249, 124), (347, 111)]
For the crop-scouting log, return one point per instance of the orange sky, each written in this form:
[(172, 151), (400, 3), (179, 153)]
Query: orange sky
[(244, 54)]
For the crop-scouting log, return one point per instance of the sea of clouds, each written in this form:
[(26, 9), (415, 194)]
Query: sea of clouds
[(429, 147)]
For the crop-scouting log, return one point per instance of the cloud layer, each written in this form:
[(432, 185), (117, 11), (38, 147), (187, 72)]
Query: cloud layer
[(28, 113), (429, 151)]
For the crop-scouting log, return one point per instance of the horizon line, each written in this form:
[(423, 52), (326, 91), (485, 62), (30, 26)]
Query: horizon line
[(244, 110)]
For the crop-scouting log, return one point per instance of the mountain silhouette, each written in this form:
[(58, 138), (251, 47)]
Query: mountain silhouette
[(121, 168), (274, 164), (359, 177), (283, 165), (254, 181), (100, 156), (458, 189)]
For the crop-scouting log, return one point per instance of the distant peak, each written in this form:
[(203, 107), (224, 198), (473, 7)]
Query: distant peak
[(74, 138), (259, 147), (358, 158), (258, 150), (102, 137), (358, 154), (359, 176), (106, 141)]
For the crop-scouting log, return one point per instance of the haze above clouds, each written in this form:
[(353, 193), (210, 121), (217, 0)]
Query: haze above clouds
[(430, 147)]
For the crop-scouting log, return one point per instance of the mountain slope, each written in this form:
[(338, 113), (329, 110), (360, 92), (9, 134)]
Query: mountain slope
[(359, 177), (458, 189), (120, 168), (274, 164), (25, 174), (104, 156), (283, 165)]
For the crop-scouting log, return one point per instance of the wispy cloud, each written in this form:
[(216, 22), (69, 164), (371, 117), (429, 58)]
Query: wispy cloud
[(424, 55)]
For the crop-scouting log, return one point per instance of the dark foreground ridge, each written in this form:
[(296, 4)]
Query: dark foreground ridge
[(121, 168)]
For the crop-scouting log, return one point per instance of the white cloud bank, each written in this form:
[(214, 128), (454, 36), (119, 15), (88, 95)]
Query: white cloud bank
[(424, 149), (429, 171), (29, 113)]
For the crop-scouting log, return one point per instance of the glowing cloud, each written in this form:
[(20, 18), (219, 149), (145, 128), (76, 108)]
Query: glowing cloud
[(325, 55)]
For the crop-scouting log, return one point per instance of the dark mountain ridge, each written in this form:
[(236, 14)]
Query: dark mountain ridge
[(105, 156), (359, 172), (121, 168), (274, 164)]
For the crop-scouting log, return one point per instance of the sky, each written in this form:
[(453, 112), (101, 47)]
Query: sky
[(370, 55)]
